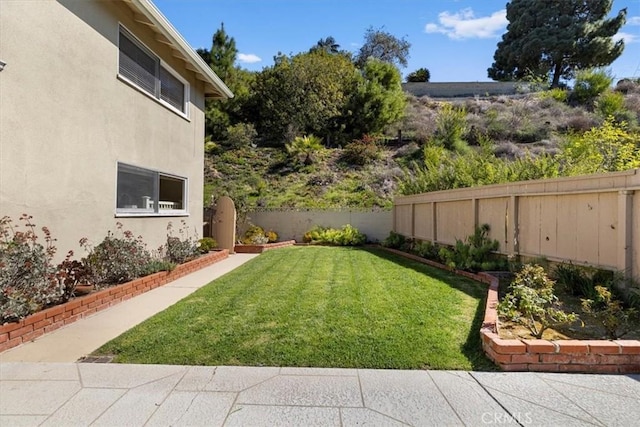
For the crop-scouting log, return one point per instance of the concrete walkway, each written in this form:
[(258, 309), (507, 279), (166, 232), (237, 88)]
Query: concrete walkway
[(82, 394)]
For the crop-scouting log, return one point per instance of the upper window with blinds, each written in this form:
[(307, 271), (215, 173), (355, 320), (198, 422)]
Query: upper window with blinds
[(141, 68)]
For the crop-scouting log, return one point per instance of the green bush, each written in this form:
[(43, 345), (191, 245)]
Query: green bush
[(611, 313), (27, 275), (271, 236), (428, 250), (255, 236), (557, 94), (531, 302), (346, 236), (207, 244), (156, 265), (575, 280), (451, 124), (476, 253), (394, 240), (609, 103), (241, 135), (589, 84)]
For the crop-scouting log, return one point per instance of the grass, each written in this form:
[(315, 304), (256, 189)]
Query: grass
[(321, 307)]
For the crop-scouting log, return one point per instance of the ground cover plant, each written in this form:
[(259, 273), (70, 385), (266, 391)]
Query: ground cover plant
[(322, 307)]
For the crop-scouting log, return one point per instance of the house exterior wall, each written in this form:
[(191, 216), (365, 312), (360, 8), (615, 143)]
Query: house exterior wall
[(66, 119), (590, 220)]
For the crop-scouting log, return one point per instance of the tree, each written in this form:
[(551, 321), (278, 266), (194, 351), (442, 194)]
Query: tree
[(420, 75), (384, 46), (556, 37), (306, 146), (221, 115), (303, 94), (223, 53), (328, 45), (378, 100)]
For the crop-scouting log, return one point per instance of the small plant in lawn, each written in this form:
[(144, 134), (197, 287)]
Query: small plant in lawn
[(611, 313), (27, 275), (180, 249), (531, 302), (119, 258), (207, 244)]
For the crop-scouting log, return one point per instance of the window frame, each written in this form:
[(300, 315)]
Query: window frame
[(157, 212), (160, 64)]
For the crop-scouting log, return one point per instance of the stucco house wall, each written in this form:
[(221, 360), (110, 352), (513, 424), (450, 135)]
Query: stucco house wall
[(67, 119)]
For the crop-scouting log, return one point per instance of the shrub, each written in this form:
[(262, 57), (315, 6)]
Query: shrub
[(428, 250), (575, 280), (117, 259), (241, 135), (473, 254), (27, 275), (451, 124), (361, 151), (394, 240), (611, 313), (304, 146), (609, 103), (532, 303), (346, 236), (156, 265), (71, 273), (182, 248), (207, 244), (271, 236), (557, 94), (254, 236), (590, 83)]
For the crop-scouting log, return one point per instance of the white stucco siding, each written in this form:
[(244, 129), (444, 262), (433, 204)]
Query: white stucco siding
[(66, 120)]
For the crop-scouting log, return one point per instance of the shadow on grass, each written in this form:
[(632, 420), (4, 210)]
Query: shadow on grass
[(472, 347)]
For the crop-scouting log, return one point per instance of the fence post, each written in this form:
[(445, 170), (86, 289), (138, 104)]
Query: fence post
[(625, 233), (512, 226), (434, 222)]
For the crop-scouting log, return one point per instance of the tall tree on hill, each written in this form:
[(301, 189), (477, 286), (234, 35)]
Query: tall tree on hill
[(328, 45), (221, 58), (223, 53), (384, 46), (555, 38)]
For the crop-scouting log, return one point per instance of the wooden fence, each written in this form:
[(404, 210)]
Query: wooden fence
[(589, 220)]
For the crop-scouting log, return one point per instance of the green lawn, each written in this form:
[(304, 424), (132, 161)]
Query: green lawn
[(322, 307)]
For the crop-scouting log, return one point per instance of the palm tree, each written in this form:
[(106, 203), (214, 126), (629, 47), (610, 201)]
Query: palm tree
[(327, 45), (305, 145)]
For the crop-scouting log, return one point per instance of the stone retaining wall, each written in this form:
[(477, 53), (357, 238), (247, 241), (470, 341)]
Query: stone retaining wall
[(587, 356), (45, 321)]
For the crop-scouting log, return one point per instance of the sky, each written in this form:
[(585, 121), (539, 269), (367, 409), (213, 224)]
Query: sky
[(454, 39)]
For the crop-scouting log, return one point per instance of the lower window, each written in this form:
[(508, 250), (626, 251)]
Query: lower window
[(149, 192)]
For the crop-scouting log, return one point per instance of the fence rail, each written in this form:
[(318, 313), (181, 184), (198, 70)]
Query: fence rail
[(589, 220)]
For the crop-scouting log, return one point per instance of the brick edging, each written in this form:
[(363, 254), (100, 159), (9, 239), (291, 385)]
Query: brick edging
[(538, 355), (258, 249), (48, 320)]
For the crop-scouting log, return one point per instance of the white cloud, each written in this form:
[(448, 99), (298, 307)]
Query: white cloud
[(248, 58), (634, 20), (627, 37), (464, 24)]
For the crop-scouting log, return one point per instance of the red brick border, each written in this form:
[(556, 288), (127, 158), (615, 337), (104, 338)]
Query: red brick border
[(589, 356), (258, 249), (45, 321)]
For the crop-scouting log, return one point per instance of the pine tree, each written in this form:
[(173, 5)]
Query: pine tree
[(557, 38)]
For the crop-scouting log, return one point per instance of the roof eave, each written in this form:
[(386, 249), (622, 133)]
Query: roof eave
[(150, 15)]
